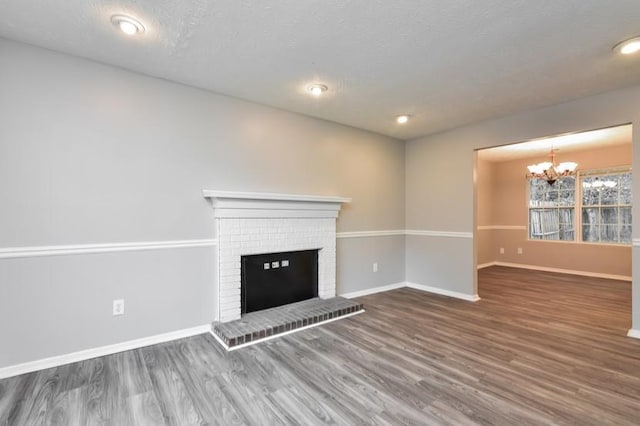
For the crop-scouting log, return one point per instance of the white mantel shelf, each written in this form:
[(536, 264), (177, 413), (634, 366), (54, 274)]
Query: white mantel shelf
[(273, 196), (232, 204)]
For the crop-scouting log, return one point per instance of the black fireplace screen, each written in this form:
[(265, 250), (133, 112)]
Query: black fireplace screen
[(276, 279)]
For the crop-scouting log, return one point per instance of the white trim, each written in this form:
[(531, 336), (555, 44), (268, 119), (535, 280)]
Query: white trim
[(228, 204), (502, 227), (441, 291), (485, 265), (633, 333), (264, 339), (207, 193), (429, 289), (56, 361), (373, 290), (37, 251), (564, 271), (364, 234), (636, 242), (452, 234), (76, 249)]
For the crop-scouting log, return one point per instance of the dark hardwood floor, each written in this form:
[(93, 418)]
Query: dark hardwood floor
[(539, 348)]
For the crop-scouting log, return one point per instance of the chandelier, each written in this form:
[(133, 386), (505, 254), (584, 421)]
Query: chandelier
[(550, 171)]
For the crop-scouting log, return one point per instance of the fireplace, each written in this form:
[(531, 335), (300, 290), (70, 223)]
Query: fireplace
[(276, 279), (257, 223)]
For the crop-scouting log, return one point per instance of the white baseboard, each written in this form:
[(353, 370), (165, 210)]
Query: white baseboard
[(436, 290), (634, 333), (563, 271), (485, 265), (373, 290), (56, 361), (429, 289)]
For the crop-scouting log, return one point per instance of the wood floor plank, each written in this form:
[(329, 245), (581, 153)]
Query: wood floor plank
[(539, 348), (175, 403)]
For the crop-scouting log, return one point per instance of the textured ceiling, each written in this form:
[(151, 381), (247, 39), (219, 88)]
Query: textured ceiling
[(446, 62), (600, 138)]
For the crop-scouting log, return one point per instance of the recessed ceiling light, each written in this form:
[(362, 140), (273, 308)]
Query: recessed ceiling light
[(401, 119), (317, 89), (127, 24), (628, 47)]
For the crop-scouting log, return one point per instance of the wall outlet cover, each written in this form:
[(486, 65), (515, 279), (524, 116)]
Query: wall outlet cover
[(118, 307)]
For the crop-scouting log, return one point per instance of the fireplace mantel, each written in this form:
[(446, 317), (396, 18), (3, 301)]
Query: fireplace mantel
[(232, 204)]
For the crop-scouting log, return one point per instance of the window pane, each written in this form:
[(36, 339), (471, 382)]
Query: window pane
[(544, 224), (609, 215), (590, 233), (565, 220), (590, 216), (566, 216), (590, 197), (625, 234), (625, 188), (551, 199), (537, 192), (590, 221), (625, 215), (567, 232), (609, 195), (566, 183), (566, 198), (609, 233)]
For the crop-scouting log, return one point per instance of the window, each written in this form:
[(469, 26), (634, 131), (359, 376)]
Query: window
[(606, 207), (552, 209), (604, 203)]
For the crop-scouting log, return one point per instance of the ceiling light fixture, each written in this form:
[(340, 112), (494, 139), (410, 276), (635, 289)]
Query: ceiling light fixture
[(127, 24), (628, 47), (550, 171), (401, 119), (317, 89)]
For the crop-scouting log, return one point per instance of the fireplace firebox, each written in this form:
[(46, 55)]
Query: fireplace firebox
[(276, 279)]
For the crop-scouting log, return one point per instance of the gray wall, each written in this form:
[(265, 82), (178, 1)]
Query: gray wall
[(440, 181), (355, 272), (95, 154)]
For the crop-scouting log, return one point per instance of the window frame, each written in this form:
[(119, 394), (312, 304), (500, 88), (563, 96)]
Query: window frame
[(600, 173), (578, 207)]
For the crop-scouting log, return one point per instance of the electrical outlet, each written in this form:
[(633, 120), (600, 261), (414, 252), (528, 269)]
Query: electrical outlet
[(267, 265), (284, 263), (519, 250), (275, 265), (501, 250), (118, 307), (375, 267)]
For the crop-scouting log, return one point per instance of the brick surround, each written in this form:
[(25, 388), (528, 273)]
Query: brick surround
[(239, 237), (257, 223)]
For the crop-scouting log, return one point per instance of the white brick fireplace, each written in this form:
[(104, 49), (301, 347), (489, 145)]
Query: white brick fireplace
[(258, 223)]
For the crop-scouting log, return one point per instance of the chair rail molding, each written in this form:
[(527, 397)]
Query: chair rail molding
[(60, 250), (366, 234), (448, 234)]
